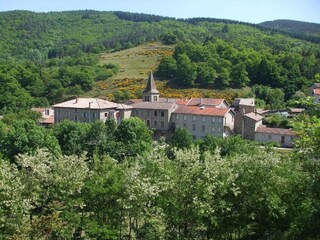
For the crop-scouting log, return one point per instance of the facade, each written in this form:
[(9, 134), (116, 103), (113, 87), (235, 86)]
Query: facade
[(241, 106), (285, 137), (250, 122), (316, 95), (90, 110), (201, 121)]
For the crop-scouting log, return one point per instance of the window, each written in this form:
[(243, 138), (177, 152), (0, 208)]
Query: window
[(203, 118), (270, 137), (155, 113), (193, 117), (177, 116), (184, 117), (75, 110), (282, 139), (148, 123), (106, 114), (148, 113), (219, 120), (184, 125), (162, 124), (213, 119), (84, 114), (155, 124), (76, 119), (212, 129), (58, 112), (193, 127), (137, 112), (203, 128), (67, 113), (219, 129), (162, 113), (47, 112), (93, 115), (146, 99), (155, 98)]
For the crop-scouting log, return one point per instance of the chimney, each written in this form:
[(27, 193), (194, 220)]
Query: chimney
[(76, 100), (201, 100)]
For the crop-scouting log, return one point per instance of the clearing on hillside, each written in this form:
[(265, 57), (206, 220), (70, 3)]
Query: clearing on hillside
[(136, 62)]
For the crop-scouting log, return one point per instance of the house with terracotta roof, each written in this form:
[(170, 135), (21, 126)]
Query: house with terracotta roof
[(90, 110), (204, 120), (47, 116), (285, 137)]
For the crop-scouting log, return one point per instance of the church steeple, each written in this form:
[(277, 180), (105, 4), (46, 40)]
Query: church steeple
[(150, 94)]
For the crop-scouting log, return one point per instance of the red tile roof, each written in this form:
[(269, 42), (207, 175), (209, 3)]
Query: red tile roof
[(93, 103), (48, 120), (212, 111), (316, 91), (278, 131)]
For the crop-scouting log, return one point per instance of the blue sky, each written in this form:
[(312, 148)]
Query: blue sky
[(254, 11)]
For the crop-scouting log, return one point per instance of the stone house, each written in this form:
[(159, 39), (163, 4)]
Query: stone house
[(285, 137), (90, 110), (204, 120)]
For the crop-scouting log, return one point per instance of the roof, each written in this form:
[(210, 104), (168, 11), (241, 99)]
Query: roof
[(277, 131), (40, 110), (151, 86), (47, 120), (317, 85), (154, 105), (92, 103), (255, 116), (296, 110), (204, 101), (211, 111), (161, 100), (244, 102), (316, 91)]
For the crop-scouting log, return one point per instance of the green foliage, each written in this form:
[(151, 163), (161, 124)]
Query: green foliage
[(71, 136), (25, 136), (277, 121), (132, 138), (181, 139)]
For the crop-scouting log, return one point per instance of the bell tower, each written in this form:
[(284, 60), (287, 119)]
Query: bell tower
[(151, 94)]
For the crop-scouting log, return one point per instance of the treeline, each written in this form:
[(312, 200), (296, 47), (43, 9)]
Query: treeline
[(219, 64), (140, 17), (104, 181), (302, 30)]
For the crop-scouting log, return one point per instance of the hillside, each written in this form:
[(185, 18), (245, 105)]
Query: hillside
[(299, 29), (50, 57)]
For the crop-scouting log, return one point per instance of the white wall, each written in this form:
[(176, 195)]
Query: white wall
[(269, 137)]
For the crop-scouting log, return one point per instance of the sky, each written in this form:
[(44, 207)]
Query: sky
[(253, 11)]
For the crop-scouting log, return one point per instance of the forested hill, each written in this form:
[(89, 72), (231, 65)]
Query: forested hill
[(49, 57), (299, 29)]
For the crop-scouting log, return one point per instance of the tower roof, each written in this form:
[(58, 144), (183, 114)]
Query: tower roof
[(151, 86)]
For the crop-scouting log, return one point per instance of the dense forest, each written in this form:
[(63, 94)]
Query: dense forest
[(298, 29), (112, 181)]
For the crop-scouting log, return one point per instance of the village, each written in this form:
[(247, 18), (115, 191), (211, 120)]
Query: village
[(200, 116)]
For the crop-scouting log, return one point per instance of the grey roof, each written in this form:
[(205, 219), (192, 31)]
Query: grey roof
[(151, 86), (154, 105), (92, 103), (243, 102), (255, 116)]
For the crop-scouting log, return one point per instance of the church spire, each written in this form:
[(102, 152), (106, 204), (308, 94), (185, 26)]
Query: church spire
[(151, 86), (150, 94)]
